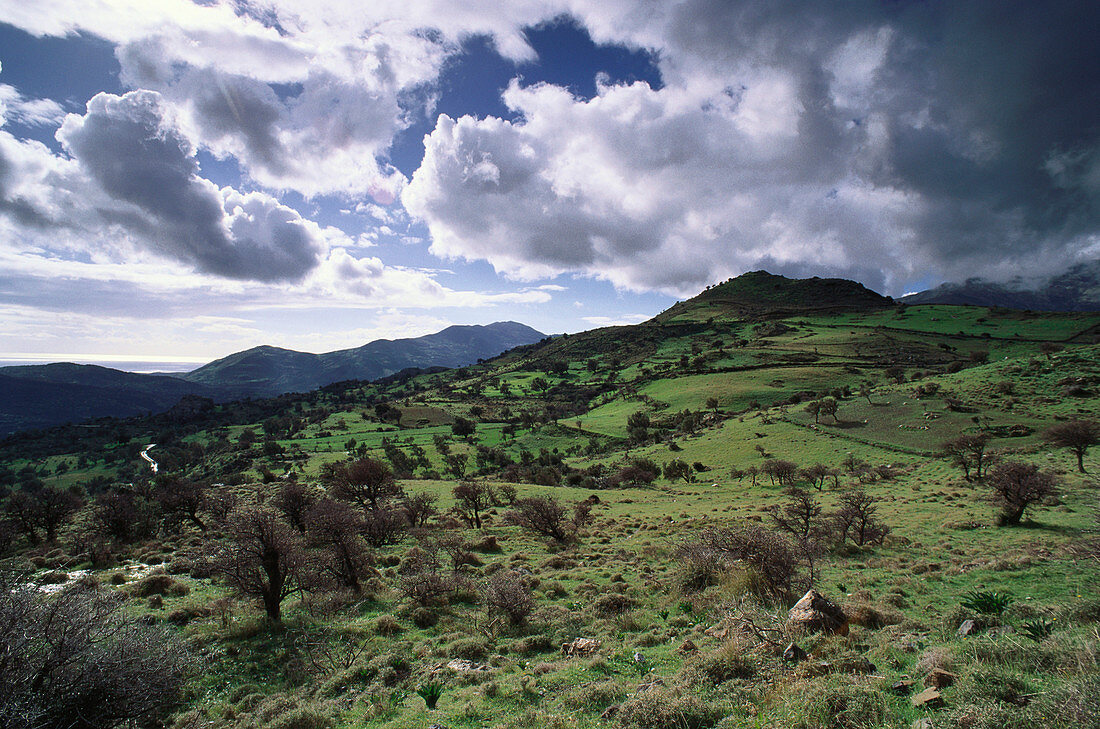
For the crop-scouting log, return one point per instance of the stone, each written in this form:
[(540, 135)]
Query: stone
[(815, 613), (967, 627), (930, 698), (720, 631), (921, 724), (939, 678), (904, 687), (580, 647), (461, 665), (794, 653), (649, 685), (610, 712), (687, 647)]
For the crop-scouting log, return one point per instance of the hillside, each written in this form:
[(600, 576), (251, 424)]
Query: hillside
[(38, 396), (265, 371), (703, 470)]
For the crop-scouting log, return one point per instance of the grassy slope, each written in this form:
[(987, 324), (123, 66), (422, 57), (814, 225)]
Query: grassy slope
[(943, 547)]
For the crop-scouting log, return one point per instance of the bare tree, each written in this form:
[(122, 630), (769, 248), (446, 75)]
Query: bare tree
[(855, 519), (799, 515), (780, 471), (1017, 487), (419, 507), (123, 515), (295, 500), (968, 452), (366, 481), (543, 515), (182, 499), (42, 510), (474, 498), (384, 526), (1076, 435), (73, 659), (335, 526), (262, 556)]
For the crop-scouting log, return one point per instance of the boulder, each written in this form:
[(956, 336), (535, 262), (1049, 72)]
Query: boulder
[(580, 647), (967, 627), (687, 647), (815, 613), (904, 687), (461, 665)]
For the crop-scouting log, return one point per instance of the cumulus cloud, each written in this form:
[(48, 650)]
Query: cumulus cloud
[(884, 141)]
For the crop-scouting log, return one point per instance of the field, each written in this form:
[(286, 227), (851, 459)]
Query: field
[(685, 637)]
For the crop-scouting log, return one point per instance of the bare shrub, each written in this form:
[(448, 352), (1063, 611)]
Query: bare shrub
[(543, 515), (1017, 487), (335, 526), (76, 654), (366, 481), (507, 592), (766, 552), (473, 499), (855, 519), (261, 556), (383, 526)]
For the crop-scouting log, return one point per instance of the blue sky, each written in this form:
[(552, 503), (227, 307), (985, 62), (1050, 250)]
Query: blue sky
[(182, 180)]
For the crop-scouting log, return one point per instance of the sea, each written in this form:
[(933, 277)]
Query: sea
[(143, 367)]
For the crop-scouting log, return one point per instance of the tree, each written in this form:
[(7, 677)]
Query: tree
[(182, 499), (419, 507), (543, 515), (384, 526), (813, 407), (865, 391), (829, 406), (474, 498), (799, 515), (74, 658), (44, 510), (1077, 436), (677, 468), (123, 515), (365, 481), (456, 464), (295, 501), (463, 427), (780, 471), (1017, 487), (855, 519), (712, 404), (335, 527), (262, 556), (968, 451), (540, 384), (1049, 348)]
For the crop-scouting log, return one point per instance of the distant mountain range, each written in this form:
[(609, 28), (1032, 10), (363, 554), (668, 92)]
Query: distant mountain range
[(37, 396), (264, 371), (1078, 289)]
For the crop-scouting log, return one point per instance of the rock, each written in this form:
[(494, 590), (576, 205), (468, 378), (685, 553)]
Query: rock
[(921, 724), (580, 647), (794, 653), (816, 613), (967, 627), (687, 647), (904, 687), (939, 678), (461, 665), (930, 698), (720, 631), (610, 712), (655, 683)]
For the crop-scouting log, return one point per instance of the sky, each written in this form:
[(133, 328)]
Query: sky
[(180, 180)]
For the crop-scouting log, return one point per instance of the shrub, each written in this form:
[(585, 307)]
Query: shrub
[(1017, 487), (507, 592), (661, 708), (766, 552), (607, 606)]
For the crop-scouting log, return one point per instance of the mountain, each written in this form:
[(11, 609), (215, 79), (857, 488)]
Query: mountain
[(762, 295), (37, 396), (1078, 289), (264, 371)]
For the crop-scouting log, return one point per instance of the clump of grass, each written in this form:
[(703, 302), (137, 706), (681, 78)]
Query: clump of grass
[(987, 602), (430, 692), (1037, 629)]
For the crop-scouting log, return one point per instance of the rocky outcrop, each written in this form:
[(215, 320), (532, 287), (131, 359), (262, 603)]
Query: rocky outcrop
[(815, 613)]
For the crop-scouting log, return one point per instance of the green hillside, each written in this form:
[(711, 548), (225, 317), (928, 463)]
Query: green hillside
[(689, 441)]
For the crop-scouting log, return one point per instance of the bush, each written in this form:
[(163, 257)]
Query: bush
[(662, 708), (608, 606), (507, 592)]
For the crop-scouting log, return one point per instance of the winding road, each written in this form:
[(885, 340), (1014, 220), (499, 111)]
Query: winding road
[(148, 458)]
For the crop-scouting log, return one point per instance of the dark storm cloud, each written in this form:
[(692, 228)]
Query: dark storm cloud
[(911, 139), (126, 146)]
